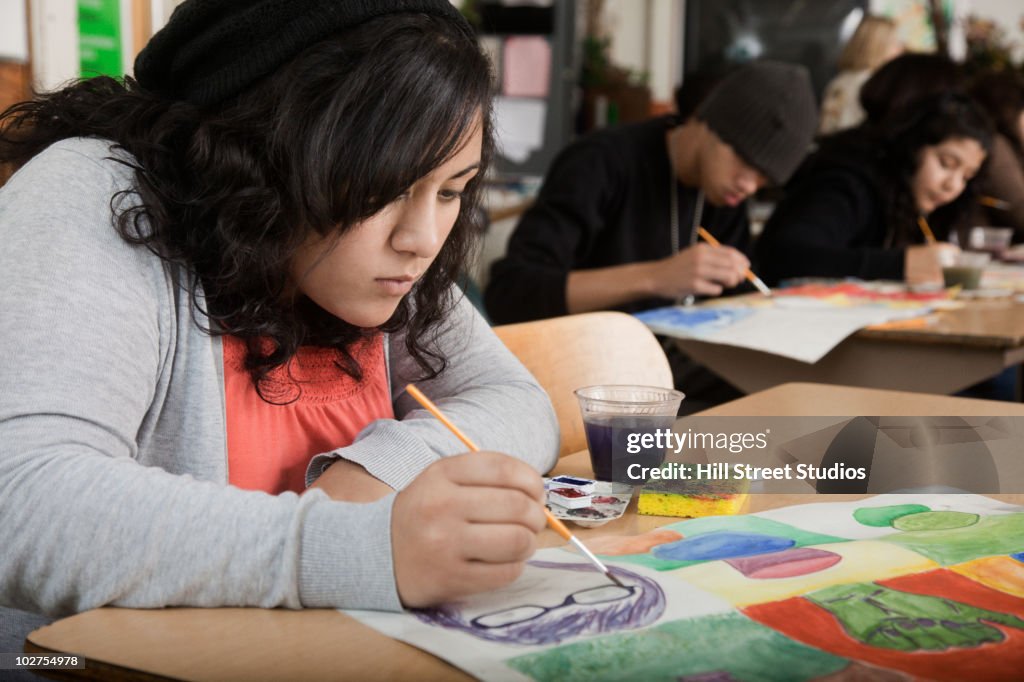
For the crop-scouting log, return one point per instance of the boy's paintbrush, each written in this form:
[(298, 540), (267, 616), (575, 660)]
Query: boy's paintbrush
[(754, 279), (556, 525)]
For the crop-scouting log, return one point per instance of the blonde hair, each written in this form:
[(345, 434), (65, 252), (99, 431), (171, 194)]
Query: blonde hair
[(870, 45)]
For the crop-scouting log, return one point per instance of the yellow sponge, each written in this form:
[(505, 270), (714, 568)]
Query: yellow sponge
[(693, 498)]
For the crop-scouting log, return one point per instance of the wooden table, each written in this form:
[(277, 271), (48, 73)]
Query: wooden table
[(959, 349), (264, 644)]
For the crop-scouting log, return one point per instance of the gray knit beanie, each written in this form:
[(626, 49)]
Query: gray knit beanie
[(766, 112), (211, 50)]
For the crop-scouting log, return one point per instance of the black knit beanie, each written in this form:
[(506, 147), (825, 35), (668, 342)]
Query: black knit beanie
[(766, 112), (211, 50)]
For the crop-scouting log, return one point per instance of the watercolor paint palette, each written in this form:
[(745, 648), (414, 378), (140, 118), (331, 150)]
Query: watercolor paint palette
[(608, 502), (584, 485), (569, 498)]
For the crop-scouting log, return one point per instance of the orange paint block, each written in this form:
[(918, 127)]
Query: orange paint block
[(998, 572), (620, 545)]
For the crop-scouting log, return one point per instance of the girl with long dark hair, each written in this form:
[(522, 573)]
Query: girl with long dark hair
[(218, 278), (854, 208)]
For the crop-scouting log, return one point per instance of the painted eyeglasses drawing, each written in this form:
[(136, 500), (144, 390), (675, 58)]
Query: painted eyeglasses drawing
[(549, 615), (524, 614)]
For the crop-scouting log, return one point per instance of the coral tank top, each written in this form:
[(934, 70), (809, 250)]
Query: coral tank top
[(270, 445)]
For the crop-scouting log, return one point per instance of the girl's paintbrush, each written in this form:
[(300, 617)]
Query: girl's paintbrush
[(929, 236), (751, 277), (556, 525)]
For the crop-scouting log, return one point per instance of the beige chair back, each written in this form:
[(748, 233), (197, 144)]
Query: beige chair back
[(566, 353)]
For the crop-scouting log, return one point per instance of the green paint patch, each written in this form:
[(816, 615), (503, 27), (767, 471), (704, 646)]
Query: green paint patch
[(727, 643), (732, 524), (902, 621), (990, 536), (936, 520), (880, 517)]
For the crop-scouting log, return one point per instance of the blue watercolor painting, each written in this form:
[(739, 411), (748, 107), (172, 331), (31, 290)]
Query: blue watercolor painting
[(721, 545), (693, 321)]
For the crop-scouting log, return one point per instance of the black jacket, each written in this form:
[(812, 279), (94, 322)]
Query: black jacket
[(605, 201), (832, 221)]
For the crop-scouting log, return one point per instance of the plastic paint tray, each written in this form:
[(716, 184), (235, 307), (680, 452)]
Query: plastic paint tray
[(609, 503)]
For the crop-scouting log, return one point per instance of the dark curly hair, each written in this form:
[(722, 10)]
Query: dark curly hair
[(905, 135), (905, 80), (892, 148), (231, 191)]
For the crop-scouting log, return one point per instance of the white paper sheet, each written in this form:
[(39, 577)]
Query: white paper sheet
[(543, 586), (803, 329)]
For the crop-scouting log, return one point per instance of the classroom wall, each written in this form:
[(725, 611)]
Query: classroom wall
[(1007, 13), (647, 37), (53, 25), (13, 31), (628, 22), (13, 55), (666, 21)]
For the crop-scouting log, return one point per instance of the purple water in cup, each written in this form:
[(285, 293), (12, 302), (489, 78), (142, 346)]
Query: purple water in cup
[(622, 423)]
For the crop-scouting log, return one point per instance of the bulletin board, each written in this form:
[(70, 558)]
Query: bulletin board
[(100, 40)]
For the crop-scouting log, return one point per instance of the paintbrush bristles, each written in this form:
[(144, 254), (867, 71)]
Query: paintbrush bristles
[(760, 285), (749, 274)]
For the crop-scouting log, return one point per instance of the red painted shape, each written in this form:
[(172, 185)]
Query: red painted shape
[(806, 622), (946, 583)]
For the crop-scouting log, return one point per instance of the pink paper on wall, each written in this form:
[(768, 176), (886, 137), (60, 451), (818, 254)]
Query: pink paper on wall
[(527, 66)]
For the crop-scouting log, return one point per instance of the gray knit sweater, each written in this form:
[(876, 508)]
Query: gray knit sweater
[(113, 466)]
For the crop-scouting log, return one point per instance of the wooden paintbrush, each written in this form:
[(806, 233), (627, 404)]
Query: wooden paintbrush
[(556, 524), (992, 202), (929, 236), (749, 274)]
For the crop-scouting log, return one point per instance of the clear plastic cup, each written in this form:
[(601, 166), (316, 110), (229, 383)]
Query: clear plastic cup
[(965, 269), (991, 240), (623, 423)]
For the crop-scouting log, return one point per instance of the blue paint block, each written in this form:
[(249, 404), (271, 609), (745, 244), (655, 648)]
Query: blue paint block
[(722, 545)]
